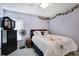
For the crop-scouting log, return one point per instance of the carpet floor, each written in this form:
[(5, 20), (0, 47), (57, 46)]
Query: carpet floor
[(23, 52)]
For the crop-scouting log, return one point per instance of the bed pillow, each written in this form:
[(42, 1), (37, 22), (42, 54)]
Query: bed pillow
[(37, 33), (46, 33)]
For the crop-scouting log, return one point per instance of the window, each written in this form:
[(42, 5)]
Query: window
[(18, 27)]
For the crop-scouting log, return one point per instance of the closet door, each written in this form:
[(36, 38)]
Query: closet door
[(11, 40)]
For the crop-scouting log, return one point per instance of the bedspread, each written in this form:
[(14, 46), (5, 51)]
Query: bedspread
[(54, 45)]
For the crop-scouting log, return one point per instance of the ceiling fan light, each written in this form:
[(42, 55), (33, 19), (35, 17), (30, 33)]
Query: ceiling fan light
[(44, 5)]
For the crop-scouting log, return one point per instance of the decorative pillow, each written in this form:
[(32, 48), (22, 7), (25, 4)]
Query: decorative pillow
[(37, 33)]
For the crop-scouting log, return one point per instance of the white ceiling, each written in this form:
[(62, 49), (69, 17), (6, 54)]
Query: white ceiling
[(35, 9)]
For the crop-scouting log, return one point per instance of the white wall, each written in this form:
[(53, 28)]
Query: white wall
[(30, 21), (67, 25), (1, 12)]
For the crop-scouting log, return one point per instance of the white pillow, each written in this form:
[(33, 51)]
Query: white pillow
[(37, 33), (46, 33)]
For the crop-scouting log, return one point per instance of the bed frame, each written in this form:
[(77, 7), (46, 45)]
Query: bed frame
[(37, 50)]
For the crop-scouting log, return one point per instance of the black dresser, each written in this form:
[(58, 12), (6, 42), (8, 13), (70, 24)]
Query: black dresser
[(8, 35), (8, 41)]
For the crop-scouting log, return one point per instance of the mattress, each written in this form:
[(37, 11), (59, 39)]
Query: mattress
[(54, 45)]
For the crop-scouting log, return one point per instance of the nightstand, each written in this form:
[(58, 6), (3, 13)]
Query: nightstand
[(29, 43)]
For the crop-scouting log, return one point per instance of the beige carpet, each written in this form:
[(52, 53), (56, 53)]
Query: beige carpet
[(24, 52)]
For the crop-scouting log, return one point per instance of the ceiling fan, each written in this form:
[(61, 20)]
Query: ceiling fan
[(44, 5)]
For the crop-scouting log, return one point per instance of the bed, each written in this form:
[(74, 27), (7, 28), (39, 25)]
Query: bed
[(52, 45)]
